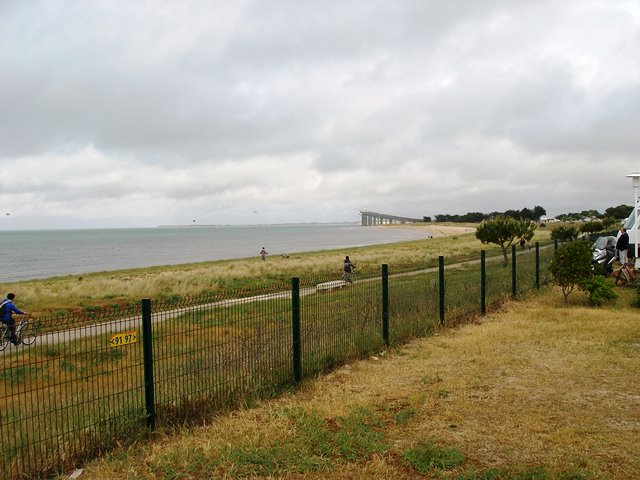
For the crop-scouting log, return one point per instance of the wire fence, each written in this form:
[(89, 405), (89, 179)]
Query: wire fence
[(110, 377)]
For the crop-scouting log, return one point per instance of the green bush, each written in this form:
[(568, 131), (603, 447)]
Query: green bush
[(599, 290), (565, 233), (571, 266)]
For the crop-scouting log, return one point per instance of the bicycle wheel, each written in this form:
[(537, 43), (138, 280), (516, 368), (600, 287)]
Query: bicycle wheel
[(620, 278), (28, 335), (4, 341)]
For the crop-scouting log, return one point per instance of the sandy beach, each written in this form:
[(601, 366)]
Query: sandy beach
[(434, 230)]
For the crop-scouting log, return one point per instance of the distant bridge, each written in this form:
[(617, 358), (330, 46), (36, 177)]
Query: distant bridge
[(376, 218)]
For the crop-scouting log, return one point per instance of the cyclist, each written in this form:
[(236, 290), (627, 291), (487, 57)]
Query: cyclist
[(7, 309), (348, 269)]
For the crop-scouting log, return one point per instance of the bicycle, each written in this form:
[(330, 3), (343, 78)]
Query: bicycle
[(624, 275), (25, 334), (348, 277)]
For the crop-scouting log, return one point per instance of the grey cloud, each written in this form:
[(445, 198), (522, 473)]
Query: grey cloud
[(423, 105)]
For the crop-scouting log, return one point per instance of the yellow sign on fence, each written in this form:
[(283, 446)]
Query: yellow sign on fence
[(124, 338)]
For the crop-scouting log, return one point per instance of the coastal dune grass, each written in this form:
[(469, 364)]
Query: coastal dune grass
[(78, 292), (537, 390)]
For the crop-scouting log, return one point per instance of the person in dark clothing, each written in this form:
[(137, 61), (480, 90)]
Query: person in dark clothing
[(348, 269), (8, 308), (622, 245)]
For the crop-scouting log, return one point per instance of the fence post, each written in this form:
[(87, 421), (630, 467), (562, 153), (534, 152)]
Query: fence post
[(147, 352), (385, 304), (483, 283), (441, 287), (538, 265), (295, 324), (514, 280)]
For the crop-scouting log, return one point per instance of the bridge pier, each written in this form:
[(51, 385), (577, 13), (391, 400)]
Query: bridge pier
[(375, 218)]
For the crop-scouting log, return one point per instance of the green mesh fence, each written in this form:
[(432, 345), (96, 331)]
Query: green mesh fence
[(86, 383), (71, 395), (413, 303), (212, 352), (340, 321)]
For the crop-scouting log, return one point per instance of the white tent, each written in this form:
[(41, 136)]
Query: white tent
[(632, 230)]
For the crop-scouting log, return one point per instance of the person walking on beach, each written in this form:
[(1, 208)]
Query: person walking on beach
[(263, 254), (7, 309), (349, 267)]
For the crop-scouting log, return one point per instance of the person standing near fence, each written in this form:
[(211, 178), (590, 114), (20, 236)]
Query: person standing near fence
[(7, 309)]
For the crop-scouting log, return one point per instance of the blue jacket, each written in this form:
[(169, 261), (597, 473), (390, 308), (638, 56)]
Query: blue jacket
[(9, 311)]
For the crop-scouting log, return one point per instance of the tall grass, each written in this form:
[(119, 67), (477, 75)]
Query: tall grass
[(125, 287)]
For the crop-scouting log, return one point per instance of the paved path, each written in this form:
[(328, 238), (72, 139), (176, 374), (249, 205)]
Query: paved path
[(135, 322)]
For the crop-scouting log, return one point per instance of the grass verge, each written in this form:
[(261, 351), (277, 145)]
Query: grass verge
[(538, 390)]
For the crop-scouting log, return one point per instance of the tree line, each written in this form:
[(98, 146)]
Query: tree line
[(534, 214), (617, 213)]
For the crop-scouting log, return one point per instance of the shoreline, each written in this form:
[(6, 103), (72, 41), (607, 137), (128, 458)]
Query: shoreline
[(87, 252), (436, 231), (125, 285)]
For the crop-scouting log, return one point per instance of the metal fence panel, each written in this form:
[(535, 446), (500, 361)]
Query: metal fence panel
[(80, 389), (212, 353), (72, 394), (340, 321)]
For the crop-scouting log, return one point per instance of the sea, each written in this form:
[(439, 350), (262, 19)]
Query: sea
[(36, 254)]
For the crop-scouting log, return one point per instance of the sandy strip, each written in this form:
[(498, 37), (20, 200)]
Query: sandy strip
[(434, 230)]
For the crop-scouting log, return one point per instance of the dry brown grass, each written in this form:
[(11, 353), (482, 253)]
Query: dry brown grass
[(536, 384)]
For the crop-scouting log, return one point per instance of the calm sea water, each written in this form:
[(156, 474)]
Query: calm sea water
[(28, 255)]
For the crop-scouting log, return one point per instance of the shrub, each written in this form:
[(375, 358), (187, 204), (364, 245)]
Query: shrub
[(599, 290), (571, 266), (565, 233)]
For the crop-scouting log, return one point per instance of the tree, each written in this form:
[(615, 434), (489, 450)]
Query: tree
[(592, 227), (571, 266), (503, 230), (589, 214), (569, 217), (565, 233), (609, 223), (620, 212), (538, 212), (526, 214), (515, 214)]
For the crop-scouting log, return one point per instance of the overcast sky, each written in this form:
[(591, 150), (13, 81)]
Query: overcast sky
[(140, 113)]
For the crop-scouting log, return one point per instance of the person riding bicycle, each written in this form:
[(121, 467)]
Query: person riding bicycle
[(7, 309), (348, 269)]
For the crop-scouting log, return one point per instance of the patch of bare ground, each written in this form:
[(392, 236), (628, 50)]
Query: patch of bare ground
[(535, 385)]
